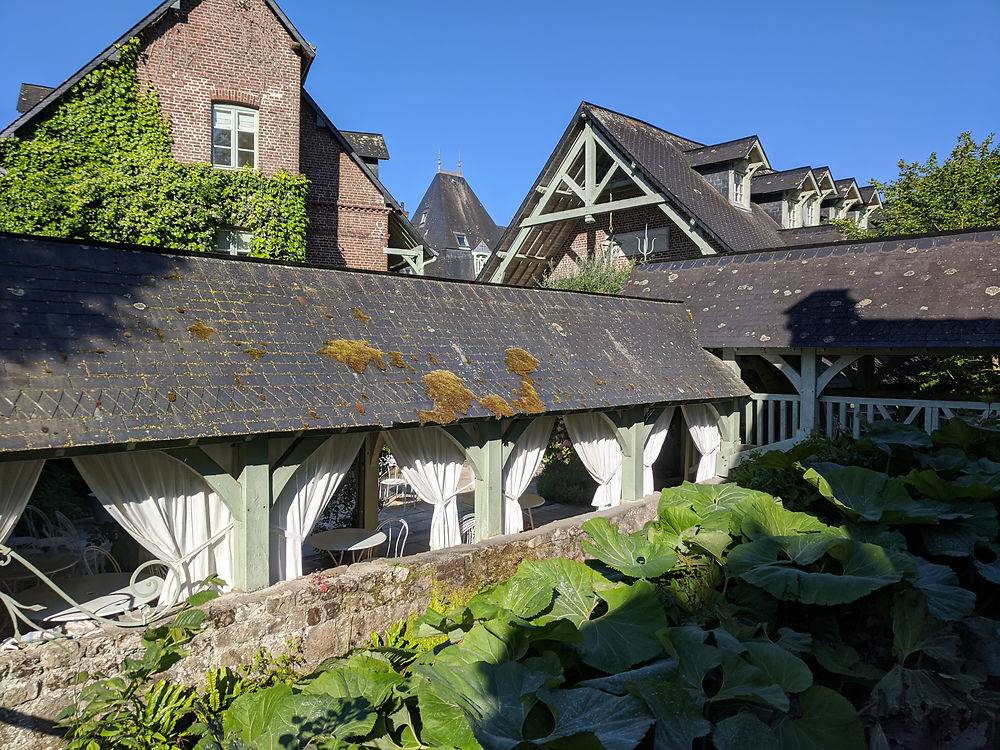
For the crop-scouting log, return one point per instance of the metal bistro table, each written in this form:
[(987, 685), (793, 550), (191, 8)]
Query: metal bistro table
[(14, 573), (104, 594), (341, 541)]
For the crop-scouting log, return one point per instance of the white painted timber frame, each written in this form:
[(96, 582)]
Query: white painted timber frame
[(587, 142), (414, 257)]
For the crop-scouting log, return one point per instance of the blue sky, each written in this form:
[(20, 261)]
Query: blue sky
[(853, 86)]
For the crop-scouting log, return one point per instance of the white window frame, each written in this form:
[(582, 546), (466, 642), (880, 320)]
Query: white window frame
[(811, 212), (792, 214), (233, 241), (479, 262), (739, 187), (234, 111)]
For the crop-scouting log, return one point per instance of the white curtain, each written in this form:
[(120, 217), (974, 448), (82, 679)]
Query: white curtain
[(703, 424), (302, 500), (654, 444), (521, 466), (431, 464), (168, 509), (594, 440), (17, 482)]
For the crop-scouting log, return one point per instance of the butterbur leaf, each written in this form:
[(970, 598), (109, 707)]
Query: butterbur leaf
[(632, 554), (959, 538), (518, 595), (572, 584), (959, 434), (618, 722), (793, 641), (618, 684), (707, 498), (946, 600), (985, 472), (780, 666), (627, 633), (741, 679), (679, 721), (744, 731), (367, 677), (887, 434), (945, 459), (761, 516), (990, 571), (844, 660), (829, 722), (694, 657), (492, 642), (866, 495)]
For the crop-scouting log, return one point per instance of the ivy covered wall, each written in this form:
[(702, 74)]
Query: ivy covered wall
[(99, 167)]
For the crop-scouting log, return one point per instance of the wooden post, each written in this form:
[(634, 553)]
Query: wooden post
[(251, 529), (489, 480), (368, 474), (729, 427), (635, 430), (808, 394)]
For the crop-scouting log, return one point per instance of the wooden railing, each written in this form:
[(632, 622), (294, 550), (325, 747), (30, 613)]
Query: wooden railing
[(848, 413), (770, 418)]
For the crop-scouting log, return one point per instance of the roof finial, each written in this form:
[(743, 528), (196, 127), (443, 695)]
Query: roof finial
[(459, 163), (439, 159)]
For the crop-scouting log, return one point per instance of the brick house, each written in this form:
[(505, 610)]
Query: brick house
[(617, 182), (230, 75)]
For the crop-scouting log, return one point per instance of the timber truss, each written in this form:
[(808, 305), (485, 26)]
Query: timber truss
[(591, 179)]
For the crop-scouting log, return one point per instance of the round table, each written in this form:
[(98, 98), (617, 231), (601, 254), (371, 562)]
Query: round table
[(49, 563), (355, 541), (104, 594), (528, 501)]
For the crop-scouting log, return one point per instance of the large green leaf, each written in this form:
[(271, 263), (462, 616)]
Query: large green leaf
[(985, 472), (369, 678), (693, 656), (744, 731), (572, 583), (679, 721), (632, 554), (844, 660), (519, 594), (959, 538), (493, 642), (905, 689), (913, 631), (866, 495), (780, 666), (990, 571), (959, 434), (707, 498), (829, 722), (627, 633), (618, 684), (944, 459), (495, 700), (981, 642), (887, 434), (931, 484), (946, 600), (761, 516), (743, 680), (866, 567), (250, 713), (618, 722)]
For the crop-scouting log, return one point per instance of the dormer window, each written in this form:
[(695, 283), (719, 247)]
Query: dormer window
[(810, 213), (423, 218), (234, 136), (462, 240), (793, 219), (739, 188), (479, 262)]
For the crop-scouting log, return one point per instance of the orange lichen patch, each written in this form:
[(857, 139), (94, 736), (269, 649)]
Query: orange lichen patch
[(396, 360), (200, 330), (558, 400), (239, 383), (354, 354), (360, 315), (255, 353), (600, 382), (180, 310), (171, 397), (449, 396), (433, 359), (630, 387), (261, 397), (498, 405), (303, 302), (360, 407), (528, 400), (329, 315), (175, 276), (313, 414), (519, 361), (409, 380)]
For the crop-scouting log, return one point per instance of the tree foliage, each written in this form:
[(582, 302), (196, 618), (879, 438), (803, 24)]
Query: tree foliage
[(963, 192), (99, 167)]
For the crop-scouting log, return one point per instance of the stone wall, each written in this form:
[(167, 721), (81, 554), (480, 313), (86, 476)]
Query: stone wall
[(332, 612)]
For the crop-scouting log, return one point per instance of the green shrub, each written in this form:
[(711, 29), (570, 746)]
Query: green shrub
[(567, 483)]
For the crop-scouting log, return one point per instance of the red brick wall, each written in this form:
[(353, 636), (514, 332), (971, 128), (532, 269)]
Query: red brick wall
[(348, 218), (588, 237), (226, 51)]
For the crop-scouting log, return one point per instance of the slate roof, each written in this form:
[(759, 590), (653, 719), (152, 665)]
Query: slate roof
[(776, 182), (104, 345), (30, 95), (453, 208), (922, 292), (307, 51), (721, 153), (367, 145)]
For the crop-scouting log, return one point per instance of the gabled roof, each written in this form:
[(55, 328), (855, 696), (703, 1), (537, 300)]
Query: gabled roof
[(452, 208), (367, 145), (915, 293), (30, 95), (778, 182), (870, 195), (845, 188), (400, 228), (111, 53), (720, 153), (110, 345)]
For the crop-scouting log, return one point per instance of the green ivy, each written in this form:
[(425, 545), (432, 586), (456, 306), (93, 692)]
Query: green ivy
[(99, 167)]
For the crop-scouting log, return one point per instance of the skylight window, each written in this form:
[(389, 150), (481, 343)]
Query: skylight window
[(462, 240)]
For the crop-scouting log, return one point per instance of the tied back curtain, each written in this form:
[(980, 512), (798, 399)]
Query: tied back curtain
[(703, 424), (431, 463), (520, 468), (17, 482), (300, 503), (654, 444), (594, 440), (168, 509)]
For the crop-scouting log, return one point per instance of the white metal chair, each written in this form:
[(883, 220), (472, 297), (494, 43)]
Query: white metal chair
[(392, 486), (468, 528), (97, 560), (396, 531)]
